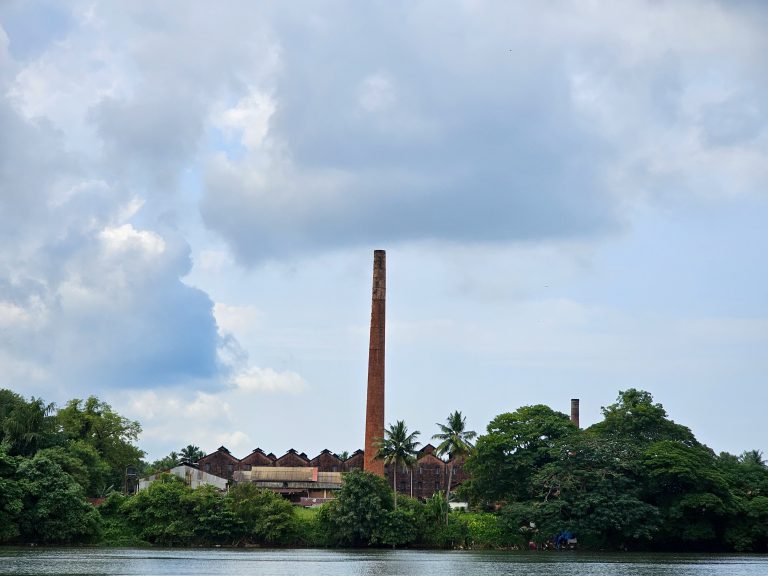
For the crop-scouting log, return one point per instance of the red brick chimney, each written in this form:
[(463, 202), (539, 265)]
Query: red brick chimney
[(575, 411), (374, 412)]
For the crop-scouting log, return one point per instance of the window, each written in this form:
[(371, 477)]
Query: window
[(207, 467), (230, 468)]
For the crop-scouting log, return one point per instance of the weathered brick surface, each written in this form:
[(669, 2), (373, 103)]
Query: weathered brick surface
[(374, 412), (355, 461), (327, 461), (575, 411), (292, 459), (257, 458), (220, 463), (428, 475)]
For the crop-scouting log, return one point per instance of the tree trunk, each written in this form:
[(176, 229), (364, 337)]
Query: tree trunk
[(394, 481), (448, 491)]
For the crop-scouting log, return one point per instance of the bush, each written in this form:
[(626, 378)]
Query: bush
[(54, 507), (308, 531), (359, 513), (162, 513), (260, 516)]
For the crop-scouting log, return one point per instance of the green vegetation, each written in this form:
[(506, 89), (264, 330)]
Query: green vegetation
[(455, 442), (634, 480), (398, 449)]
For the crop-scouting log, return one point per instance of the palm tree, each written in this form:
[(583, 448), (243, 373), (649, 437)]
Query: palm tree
[(454, 441), (752, 457), (397, 448), (192, 453), (25, 427)]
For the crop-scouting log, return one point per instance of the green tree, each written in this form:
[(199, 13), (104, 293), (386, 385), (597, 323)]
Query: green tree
[(593, 488), (263, 517), (635, 418), (191, 453), (213, 522), (81, 461), (163, 512), (455, 442), (54, 506), (400, 527), (397, 448), (112, 436), (359, 513), (747, 478), (691, 493), (164, 464), (752, 457), (11, 503), (436, 508), (516, 445), (25, 427)]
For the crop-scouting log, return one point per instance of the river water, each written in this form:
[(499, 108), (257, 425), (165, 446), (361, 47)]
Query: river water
[(257, 562)]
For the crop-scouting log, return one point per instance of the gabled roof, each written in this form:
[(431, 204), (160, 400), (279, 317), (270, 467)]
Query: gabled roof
[(293, 452)]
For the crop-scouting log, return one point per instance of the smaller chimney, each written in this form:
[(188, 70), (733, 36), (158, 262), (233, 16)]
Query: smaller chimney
[(575, 411)]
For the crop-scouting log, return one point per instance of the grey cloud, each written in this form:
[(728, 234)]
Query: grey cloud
[(185, 59), (148, 139), (37, 24), (32, 160), (397, 122), (475, 141), (88, 300), (734, 121)]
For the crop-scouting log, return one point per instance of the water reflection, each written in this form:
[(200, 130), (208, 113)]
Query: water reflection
[(110, 562)]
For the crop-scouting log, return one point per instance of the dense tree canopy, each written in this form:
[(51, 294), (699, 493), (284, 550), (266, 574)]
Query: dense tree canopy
[(112, 436), (54, 510), (25, 426), (635, 418), (634, 480), (357, 515), (516, 445)]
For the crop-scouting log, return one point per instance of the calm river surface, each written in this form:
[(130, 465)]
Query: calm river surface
[(369, 563)]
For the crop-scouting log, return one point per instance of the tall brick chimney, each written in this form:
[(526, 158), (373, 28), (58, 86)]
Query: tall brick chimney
[(575, 411), (374, 411)]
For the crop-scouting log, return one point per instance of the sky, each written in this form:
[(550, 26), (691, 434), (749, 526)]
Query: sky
[(573, 198)]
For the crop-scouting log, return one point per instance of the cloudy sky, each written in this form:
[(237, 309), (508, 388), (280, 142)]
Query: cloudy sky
[(573, 197)]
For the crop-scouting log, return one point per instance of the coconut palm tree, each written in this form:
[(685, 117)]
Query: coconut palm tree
[(455, 442), (397, 448), (753, 457), (191, 453)]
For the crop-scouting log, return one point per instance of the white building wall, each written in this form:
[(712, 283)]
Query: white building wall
[(193, 477)]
